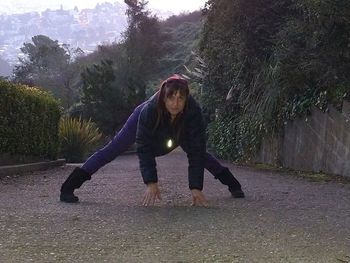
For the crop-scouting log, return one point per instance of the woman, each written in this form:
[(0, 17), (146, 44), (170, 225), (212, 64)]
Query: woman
[(170, 118)]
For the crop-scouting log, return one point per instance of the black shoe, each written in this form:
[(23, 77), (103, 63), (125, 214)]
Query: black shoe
[(237, 193), (68, 198), (74, 181), (227, 178)]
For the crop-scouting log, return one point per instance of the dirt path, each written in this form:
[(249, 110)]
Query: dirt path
[(282, 218)]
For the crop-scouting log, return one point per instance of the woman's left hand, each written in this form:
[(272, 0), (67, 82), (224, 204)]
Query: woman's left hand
[(198, 198), (152, 193)]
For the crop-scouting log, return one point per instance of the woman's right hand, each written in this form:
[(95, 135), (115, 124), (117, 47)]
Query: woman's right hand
[(152, 193)]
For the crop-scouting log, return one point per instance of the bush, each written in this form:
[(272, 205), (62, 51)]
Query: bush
[(29, 119), (78, 137), (277, 60), (235, 137)]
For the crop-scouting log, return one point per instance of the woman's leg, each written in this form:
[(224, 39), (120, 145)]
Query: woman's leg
[(212, 164), (119, 144), (224, 175)]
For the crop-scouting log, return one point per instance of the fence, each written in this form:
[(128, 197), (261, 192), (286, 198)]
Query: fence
[(318, 142)]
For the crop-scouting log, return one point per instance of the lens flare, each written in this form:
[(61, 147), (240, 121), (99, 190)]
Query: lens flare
[(170, 143)]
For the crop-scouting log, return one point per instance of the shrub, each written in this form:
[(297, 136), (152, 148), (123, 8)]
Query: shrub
[(29, 120), (235, 137), (78, 137), (277, 60)]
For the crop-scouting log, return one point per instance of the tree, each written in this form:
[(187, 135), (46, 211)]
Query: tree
[(106, 97), (48, 64), (237, 37), (312, 56), (116, 80), (276, 59), (144, 44), (237, 45), (183, 35)]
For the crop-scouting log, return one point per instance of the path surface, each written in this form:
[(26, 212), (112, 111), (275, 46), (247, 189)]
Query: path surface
[(282, 219)]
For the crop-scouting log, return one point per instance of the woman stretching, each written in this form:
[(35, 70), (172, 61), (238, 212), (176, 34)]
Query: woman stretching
[(170, 118)]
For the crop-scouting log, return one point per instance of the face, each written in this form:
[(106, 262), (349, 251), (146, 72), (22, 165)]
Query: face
[(175, 103)]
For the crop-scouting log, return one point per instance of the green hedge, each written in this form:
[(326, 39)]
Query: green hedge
[(29, 119)]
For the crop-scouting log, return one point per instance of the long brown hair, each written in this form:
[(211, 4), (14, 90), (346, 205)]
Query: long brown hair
[(171, 86)]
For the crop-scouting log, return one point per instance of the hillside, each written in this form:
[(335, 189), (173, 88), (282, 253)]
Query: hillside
[(184, 31)]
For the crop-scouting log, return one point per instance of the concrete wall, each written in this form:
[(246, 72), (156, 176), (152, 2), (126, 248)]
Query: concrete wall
[(318, 142)]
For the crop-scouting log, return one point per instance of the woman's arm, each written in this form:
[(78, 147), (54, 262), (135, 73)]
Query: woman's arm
[(195, 147), (144, 139)]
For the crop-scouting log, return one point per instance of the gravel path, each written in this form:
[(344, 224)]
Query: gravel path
[(282, 219)]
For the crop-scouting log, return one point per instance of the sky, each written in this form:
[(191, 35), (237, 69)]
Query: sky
[(21, 6)]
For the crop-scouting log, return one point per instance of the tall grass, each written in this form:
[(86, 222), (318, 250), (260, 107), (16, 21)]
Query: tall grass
[(78, 137)]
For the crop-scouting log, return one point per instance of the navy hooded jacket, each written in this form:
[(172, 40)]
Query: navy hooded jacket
[(151, 142)]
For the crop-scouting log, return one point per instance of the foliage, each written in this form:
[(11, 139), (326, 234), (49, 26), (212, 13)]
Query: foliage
[(183, 33), (49, 65), (313, 55), (144, 44), (106, 98), (115, 82), (175, 21), (78, 137), (275, 60), (29, 120), (236, 38), (235, 137)]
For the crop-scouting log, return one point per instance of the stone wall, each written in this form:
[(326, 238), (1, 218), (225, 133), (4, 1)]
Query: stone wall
[(318, 142)]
